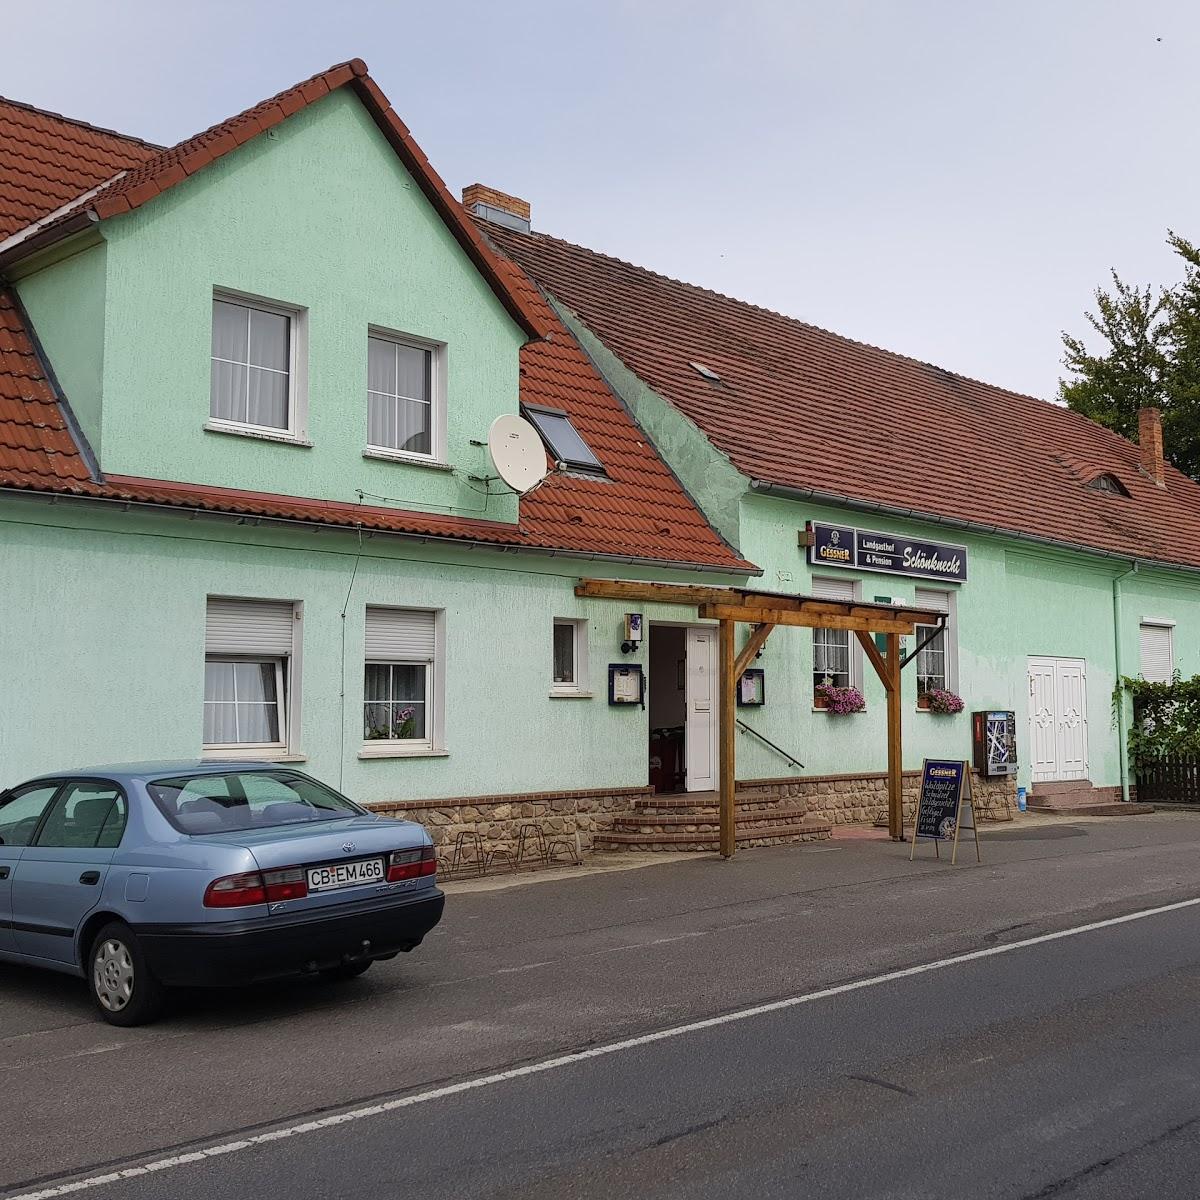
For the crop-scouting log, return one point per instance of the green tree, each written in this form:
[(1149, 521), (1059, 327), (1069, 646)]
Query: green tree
[(1129, 372), (1149, 357), (1181, 379)]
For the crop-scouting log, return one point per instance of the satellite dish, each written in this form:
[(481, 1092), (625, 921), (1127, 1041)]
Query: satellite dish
[(517, 452)]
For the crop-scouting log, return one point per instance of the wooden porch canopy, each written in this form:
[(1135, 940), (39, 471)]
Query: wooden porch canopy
[(763, 611)]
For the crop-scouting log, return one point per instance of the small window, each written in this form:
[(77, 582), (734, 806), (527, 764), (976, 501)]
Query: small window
[(253, 366), (834, 661), (1157, 651), (248, 684), (563, 441), (1108, 483), (933, 665), (402, 390), (570, 657), (399, 677), (244, 702)]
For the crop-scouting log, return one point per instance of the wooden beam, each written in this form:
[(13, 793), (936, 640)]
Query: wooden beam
[(867, 642), (805, 620), (663, 593), (728, 714), (895, 751), (757, 640), (635, 591)]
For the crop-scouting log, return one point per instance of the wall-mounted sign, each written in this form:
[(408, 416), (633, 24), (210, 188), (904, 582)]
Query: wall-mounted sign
[(752, 688), (864, 550), (626, 684)]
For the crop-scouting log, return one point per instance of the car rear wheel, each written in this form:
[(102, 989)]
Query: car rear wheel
[(345, 971), (122, 987)]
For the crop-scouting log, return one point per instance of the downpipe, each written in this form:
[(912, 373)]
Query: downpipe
[(1122, 724)]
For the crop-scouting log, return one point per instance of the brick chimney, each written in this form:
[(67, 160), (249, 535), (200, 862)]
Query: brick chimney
[(1150, 439), (497, 207)]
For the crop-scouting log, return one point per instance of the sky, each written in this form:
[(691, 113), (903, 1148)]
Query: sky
[(949, 180)]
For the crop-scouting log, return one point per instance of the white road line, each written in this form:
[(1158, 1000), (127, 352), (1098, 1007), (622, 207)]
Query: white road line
[(578, 1056)]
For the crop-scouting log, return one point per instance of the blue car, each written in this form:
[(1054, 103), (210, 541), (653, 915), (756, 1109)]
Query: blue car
[(157, 875)]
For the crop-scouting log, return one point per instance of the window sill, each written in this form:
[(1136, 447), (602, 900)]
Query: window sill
[(413, 460), (830, 711), (576, 695), (278, 756), (402, 752), (262, 435)]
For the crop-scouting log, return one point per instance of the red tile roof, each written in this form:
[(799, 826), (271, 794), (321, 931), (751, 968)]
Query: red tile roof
[(154, 174), (48, 160), (640, 511), (799, 407)]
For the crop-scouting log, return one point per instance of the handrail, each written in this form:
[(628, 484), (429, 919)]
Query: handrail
[(795, 762)]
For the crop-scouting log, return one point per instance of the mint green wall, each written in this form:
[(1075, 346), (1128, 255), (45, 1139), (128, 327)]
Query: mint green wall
[(317, 213), (65, 302), (707, 474), (1018, 601), (109, 649)]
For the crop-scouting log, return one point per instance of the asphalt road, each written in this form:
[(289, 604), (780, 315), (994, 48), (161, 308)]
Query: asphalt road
[(1058, 1068)]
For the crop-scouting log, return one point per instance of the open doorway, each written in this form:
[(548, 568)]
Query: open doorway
[(683, 708)]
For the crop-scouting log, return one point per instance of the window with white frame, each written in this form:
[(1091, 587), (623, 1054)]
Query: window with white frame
[(835, 662), (403, 396), (570, 657), (934, 663), (1157, 646), (254, 384), (248, 674), (399, 679)]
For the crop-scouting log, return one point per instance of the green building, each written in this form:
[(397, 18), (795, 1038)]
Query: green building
[(247, 509)]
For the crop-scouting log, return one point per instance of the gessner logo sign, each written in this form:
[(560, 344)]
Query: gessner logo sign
[(866, 550)]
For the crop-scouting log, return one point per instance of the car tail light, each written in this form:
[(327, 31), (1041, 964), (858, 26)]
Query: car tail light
[(256, 887), (290, 883), (234, 891), (411, 864)]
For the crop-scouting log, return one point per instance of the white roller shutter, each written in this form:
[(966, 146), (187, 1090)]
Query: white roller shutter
[(1158, 663), (258, 627), (400, 635), (833, 589), (937, 601)]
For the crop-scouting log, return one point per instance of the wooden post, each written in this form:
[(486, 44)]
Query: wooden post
[(728, 714), (895, 752)]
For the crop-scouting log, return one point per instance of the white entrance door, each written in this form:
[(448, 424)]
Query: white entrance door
[(700, 747), (1058, 718)]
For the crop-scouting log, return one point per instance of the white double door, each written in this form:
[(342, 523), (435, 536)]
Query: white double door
[(1058, 734), (702, 692)]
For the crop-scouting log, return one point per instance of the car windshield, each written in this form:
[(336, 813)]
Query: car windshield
[(239, 800)]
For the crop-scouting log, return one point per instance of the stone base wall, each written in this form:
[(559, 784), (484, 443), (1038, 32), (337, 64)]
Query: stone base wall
[(826, 799), (498, 819), (862, 799)]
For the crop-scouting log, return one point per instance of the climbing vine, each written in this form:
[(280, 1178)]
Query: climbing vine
[(1166, 718)]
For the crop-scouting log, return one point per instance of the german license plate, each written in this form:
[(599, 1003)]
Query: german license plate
[(347, 874)]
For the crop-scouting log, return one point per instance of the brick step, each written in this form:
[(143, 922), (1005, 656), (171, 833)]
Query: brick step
[(1059, 787), (1091, 808), (767, 835), (708, 821), (1040, 802), (752, 804)]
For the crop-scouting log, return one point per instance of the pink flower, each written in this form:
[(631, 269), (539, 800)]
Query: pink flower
[(841, 700)]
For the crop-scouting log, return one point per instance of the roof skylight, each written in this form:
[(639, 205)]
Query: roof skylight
[(1108, 483), (707, 372), (563, 439)]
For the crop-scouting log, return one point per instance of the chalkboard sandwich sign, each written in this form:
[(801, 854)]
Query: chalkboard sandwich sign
[(944, 806)]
